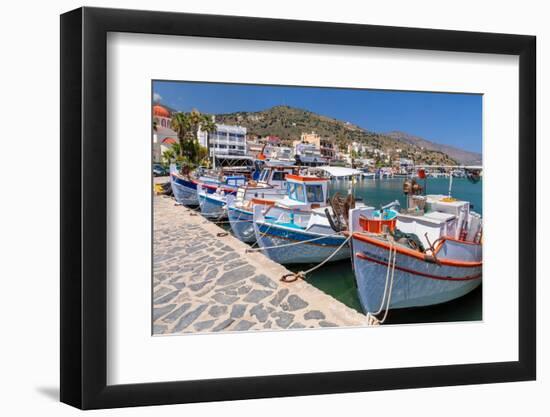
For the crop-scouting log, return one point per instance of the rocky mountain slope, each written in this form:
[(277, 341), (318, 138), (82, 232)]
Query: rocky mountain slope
[(460, 155), (289, 122)]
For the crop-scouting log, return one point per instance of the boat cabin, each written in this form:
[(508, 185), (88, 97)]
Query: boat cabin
[(275, 175), (305, 192), (442, 217), (234, 180)]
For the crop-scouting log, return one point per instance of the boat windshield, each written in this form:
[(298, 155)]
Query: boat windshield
[(278, 176), (264, 175), (296, 191), (314, 193)]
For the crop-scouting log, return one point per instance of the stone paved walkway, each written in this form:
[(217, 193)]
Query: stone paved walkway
[(205, 283)]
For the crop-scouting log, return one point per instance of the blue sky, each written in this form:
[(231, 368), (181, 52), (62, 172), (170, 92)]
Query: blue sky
[(452, 119)]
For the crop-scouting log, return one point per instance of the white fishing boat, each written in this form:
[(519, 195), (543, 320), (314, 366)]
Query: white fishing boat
[(184, 187), (213, 197), (430, 254), (270, 186), (301, 227)]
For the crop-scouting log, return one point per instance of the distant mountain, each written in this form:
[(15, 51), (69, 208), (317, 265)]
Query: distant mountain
[(289, 122), (459, 155)]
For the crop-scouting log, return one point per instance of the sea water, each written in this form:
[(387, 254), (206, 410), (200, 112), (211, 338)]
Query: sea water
[(337, 278)]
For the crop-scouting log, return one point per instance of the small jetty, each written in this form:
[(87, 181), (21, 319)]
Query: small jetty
[(205, 281)]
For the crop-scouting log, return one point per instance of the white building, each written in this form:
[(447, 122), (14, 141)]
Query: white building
[(309, 154), (284, 153), (225, 140)]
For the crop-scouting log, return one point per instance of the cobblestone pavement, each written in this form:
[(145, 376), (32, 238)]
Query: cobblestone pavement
[(206, 283)]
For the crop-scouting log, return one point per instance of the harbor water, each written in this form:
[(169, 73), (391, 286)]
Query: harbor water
[(337, 279)]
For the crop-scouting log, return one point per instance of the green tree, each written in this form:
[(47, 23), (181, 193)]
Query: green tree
[(171, 154), (181, 124), (168, 156), (187, 126)]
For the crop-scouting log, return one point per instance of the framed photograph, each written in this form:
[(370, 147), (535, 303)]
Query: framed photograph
[(260, 208)]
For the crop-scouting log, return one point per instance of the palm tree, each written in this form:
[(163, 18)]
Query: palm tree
[(181, 124), (169, 155), (187, 126)]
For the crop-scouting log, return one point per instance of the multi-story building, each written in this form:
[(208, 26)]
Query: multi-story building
[(312, 138), (308, 154), (225, 140), (324, 145)]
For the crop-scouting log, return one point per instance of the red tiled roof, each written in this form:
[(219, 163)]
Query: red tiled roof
[(160, 111)]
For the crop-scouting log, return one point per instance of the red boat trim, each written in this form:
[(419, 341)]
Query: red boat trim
[(418, 255), (304, 179), (212, 187), (364, 257)]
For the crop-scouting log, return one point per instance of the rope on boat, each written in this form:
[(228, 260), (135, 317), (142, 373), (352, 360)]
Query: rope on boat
[(291, 277), (386, 297), (291, 244), (258, 240), (234, 221)]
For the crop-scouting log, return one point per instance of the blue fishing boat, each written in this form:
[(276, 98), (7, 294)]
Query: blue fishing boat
[(213, 198), (184, 187), (270, 187), (299, 228)]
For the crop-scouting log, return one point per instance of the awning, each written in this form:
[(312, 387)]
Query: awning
[(339, 171)]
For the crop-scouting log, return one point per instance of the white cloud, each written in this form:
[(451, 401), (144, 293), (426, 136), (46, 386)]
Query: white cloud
[(157, 97)]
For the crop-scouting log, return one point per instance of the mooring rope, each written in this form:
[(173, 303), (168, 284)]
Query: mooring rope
[(329, 257), (234, 221), (302, 274), (386, 297), (291, 244)]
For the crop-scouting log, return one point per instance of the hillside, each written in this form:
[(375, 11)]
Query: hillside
[(459, 155), (288, 123)]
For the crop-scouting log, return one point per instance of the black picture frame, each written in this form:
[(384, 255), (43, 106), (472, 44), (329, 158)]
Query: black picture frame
[(84, 207)]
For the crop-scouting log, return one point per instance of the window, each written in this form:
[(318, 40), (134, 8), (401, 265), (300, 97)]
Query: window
[(315, 193), (279, 176), (296, 192), (263, 175)]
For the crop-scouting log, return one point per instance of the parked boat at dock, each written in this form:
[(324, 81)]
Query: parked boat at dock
[(429, 254), (297, 229), (213, 197), (270, 187), (184, 187)]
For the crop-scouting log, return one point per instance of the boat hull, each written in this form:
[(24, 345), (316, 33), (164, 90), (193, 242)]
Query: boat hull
[(212, 206), (416, 282), (270, 236), (185, 190), (242, 224)]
